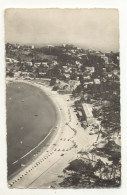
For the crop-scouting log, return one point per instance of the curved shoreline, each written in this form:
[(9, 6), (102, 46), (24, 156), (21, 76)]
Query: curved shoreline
[(49, 137), (64, 147)]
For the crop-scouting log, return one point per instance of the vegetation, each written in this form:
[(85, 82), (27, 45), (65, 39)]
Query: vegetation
[(82, 173)]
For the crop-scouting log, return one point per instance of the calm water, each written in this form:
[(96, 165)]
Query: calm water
[(30, 116)]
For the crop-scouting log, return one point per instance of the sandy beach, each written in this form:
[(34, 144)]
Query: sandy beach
[(28, 126), (69, 139)]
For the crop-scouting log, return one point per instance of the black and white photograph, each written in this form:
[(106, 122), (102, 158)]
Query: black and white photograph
[(62, 98)]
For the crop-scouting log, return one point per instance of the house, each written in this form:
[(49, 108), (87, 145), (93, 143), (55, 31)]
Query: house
[(118, 58), (37, 64), (102, 56), (73, 84), (110, 77), (105, 58), (49, 46), (24, 74), (29, 63), (78, 64), (44, 67), (8, 60), (90, 69), (104, 69), (64, 45), (42, 74), (116, 72), (32, 47), (17, 74), (87, 78), (97, 81), (64, 68), (66, 77), (54, 62), (88, 83), (110, 66), (11, 61)]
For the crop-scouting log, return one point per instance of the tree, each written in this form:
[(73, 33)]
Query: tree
[(55, 71), (53, 81), (106, 172), (115, 165), (99, 165)]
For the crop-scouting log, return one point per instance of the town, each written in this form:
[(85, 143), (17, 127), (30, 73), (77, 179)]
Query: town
[(92, 79)]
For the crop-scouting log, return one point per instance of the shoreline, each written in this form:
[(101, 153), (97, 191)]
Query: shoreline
[(64, 147), (42, 145)]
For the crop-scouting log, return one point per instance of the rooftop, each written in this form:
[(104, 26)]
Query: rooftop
[(88, 110)]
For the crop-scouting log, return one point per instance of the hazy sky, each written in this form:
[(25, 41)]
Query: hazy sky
[(87, 28)]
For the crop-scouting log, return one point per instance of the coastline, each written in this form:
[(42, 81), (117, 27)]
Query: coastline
[(33, 154), (61, 149)]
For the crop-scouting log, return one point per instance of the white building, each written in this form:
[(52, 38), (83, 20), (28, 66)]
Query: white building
[(97, 81), (87, 111)]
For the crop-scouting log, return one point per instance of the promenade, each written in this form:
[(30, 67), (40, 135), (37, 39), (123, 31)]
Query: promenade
[(47, 170)]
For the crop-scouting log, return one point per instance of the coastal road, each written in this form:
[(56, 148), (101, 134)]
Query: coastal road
[(47, 170), (50, 177)]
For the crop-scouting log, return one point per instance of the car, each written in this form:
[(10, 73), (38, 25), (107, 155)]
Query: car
[(95, 143), (62, 155), (91, 133), (103, 141)]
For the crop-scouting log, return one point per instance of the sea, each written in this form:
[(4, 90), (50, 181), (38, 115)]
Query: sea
[(30, 117)]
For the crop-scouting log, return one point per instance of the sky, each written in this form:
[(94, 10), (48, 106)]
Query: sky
[(86, 28)]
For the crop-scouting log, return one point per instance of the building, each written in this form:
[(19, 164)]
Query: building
[(37, 64), (32, 47), (90, 69), (17, 74), (97, 81), (29, 63), (87, 112), (66, 77), (87, 78), (105, 58)]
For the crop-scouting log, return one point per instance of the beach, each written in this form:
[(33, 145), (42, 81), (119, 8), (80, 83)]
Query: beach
[(31, 117), (69, 139)]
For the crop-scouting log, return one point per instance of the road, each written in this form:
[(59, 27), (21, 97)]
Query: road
[(47, 169)]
